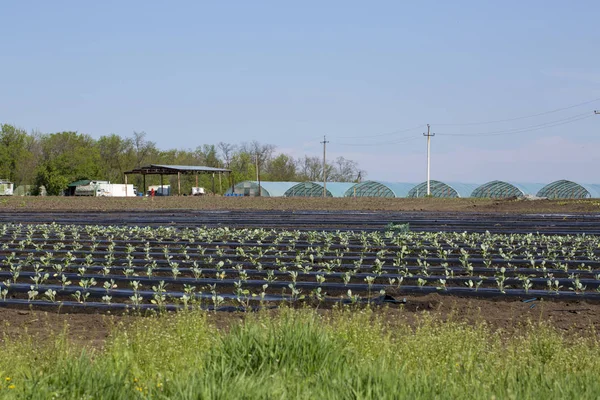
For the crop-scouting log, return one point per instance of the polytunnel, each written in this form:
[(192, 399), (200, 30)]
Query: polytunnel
[(315, 189), (379, 189), (502, 189), (443, 189), (564, 189), (268, 189)]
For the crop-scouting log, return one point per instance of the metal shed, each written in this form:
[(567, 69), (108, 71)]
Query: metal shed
[(268, 189), (564, 189), (502, 189), (443, 189), (158, 169), (379, 189), (315, 189)]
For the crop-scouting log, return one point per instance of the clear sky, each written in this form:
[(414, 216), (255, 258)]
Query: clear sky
[(287, 73)]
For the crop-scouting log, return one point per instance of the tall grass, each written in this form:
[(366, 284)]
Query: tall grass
[(301, 354)]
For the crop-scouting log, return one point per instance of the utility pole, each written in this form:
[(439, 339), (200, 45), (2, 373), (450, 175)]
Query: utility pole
[(428, 135), (324, 142), (258, 175)]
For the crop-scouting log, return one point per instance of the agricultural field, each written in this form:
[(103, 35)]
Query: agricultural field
[(114, 267), (55, 203), (276, 303)]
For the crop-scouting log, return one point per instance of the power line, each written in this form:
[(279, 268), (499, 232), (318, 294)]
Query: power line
[(531, 128), (324, 142), (526, 116), (404, 140), (382, 134)]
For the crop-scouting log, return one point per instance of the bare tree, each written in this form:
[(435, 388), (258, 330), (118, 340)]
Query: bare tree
[(143, 148), (227, 150)]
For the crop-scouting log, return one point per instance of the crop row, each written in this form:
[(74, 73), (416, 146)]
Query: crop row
[(165, 267)]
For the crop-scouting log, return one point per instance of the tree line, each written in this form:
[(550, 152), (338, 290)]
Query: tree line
[(54, 160)]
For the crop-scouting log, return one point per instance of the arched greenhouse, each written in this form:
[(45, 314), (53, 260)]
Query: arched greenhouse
[(379, 189), (442, 189), (315, 189), (268, 189), (502, 189), (564, 189)]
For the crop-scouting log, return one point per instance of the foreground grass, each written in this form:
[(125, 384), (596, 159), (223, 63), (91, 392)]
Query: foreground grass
[(300, 354)]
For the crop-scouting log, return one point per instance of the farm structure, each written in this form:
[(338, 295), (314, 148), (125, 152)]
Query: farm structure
[(100, 189), (316, 189), (443, 189), (502, 189), (6, 188), (564, 189), (267, 188), (179, 170), (379, 189)]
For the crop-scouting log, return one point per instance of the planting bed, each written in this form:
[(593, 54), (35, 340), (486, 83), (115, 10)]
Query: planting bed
[(100, 267)]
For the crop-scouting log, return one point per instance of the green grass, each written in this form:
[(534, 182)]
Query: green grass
[(301, 354)]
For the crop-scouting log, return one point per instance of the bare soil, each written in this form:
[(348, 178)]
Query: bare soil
[(265, 203), (92, 330)]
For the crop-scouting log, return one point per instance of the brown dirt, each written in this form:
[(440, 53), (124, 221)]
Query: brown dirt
[(92, 330), (264, 203)]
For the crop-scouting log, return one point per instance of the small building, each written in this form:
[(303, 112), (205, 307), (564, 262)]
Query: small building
[(6, 188)]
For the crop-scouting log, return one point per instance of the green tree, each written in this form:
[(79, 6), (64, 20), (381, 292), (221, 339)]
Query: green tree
[(14, 153), (281, 168), (115, 157), (66, 157)]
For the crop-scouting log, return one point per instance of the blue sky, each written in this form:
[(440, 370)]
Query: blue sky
[(195, 72)]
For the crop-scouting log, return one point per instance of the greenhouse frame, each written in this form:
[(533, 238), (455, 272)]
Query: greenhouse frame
[(503, 189), (443, 189), (565, 189), (315, 189), (379, 189), (268, 188)]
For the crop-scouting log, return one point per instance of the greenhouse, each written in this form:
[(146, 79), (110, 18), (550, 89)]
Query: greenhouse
[(564, 189), (315, 189), (442, 189), (502, 189), (379, 189), (268, 189)]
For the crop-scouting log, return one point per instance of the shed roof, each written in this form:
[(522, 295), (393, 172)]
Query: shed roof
[(161, 169), (81, 182)]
